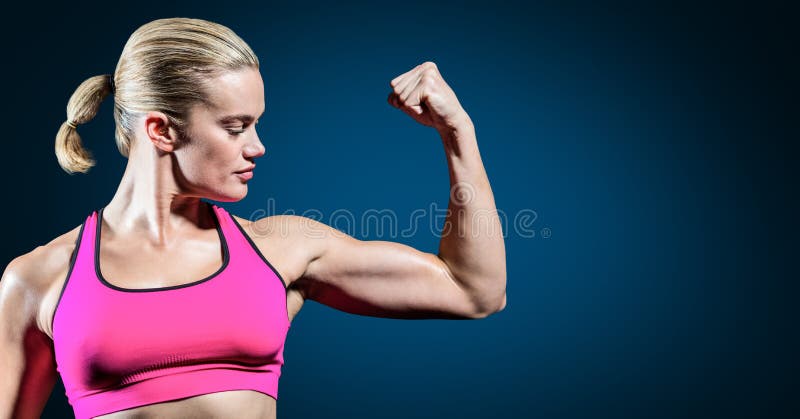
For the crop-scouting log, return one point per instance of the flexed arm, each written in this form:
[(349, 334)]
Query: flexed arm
[(465, 280), (472, 241)]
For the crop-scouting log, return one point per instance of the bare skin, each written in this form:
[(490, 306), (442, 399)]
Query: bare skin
[(157, 216), (185, 261)]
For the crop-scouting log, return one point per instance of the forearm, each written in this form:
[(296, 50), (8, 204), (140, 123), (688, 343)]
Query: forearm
[(472, 238)]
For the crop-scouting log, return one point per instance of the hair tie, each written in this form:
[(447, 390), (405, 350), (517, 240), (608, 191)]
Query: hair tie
[(72, 124), (111, 82)]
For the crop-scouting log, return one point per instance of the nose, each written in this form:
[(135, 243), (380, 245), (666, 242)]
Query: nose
[(254, 149)]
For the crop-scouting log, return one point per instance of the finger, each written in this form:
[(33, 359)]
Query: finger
[(395, 100), (408, 88), (392, 99), (404, 85), (415, 98), (415, 109), (401, 81), (395, 81)]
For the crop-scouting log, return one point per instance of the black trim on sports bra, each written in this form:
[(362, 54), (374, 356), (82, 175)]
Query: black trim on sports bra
[(226, 259), (73, 257), (253, 245)]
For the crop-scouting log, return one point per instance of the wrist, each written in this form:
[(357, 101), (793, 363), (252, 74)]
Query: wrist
[(457, 126)]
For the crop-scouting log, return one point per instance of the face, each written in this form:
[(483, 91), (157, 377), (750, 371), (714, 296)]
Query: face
[(222, 138)]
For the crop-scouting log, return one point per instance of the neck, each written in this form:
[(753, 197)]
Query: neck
[(148, 201)]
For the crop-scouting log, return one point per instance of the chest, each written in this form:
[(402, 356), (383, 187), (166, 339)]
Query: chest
[(112, 336), (131, 265)]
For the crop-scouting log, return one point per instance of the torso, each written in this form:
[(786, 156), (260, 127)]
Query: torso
[(52, 261)]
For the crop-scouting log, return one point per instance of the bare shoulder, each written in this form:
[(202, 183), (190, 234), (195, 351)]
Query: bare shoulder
[(287, 225), (287, 242), (34, 275), (290, 243), (287, 230), (35, 268)]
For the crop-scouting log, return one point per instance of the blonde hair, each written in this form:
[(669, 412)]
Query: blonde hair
[(163, 67)]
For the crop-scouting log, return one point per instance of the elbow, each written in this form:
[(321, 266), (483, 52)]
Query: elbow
[(496, 308), (502, 303)]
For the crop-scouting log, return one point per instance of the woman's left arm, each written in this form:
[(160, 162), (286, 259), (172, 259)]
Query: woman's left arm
[(467, 278)]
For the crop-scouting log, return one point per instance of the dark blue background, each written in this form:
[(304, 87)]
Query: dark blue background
[(654, 142)]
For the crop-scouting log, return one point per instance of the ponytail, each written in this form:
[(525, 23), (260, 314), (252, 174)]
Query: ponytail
[(163, 67), (82, 107)]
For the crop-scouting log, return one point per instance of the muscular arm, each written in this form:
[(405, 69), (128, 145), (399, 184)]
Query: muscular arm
[(377, 278), (467, 278), (26, 357), (472, 243)]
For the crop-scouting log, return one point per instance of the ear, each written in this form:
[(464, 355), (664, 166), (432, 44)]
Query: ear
[(160, 131)]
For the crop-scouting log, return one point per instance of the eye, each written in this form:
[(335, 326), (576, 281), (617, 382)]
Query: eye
[(241, 129)]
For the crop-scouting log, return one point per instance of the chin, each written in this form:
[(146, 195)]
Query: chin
[(236, 198), (228, 196)]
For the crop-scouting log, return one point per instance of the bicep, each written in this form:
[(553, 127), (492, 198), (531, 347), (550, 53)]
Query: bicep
[(26, 357), (384, 279)]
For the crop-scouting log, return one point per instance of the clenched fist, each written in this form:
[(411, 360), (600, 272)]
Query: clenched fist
[(423, 94)]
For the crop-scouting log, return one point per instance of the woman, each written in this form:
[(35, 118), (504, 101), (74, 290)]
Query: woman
[(184, 309)]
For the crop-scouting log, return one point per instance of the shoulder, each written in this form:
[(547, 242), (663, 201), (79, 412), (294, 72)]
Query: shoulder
[(28, 279), (289, 242), (293, 228), (35, 268)]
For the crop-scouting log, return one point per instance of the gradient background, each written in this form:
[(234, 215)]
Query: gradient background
[(652, 141)]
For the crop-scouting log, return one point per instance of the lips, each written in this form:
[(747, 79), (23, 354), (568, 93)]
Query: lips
[(245, 175), (248, 169)]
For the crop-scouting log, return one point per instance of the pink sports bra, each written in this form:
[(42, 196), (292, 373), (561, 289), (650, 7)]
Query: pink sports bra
[(119, 348)]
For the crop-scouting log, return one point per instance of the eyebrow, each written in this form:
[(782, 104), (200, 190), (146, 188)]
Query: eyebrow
[(245, 118)]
